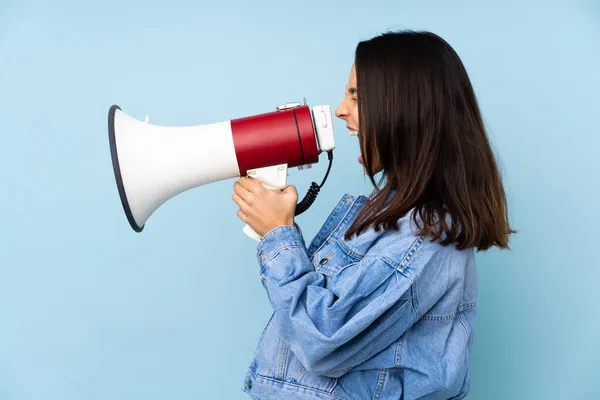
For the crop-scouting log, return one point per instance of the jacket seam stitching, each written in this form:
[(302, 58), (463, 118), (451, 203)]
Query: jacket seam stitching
[(337, 206), (449, 316), (280, 249), (408, 257), (334, 229), (438, 318), (380, 381), (398, 353), (441, 317), (403, 266), (297, 385), (346, 249), (467, 306)]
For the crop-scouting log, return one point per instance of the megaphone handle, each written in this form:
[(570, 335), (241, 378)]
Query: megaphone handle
[(273, 177), (251, 233)]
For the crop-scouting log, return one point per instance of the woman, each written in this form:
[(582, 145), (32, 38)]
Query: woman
[(381, 305)]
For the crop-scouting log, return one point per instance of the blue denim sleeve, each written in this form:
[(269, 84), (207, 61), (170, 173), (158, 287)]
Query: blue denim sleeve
[(331, 333), (300, 233), (303, 244)]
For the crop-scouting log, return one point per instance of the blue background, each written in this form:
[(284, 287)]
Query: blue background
[(91, 310)]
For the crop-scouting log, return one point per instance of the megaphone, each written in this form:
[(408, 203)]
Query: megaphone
[(154, 163)]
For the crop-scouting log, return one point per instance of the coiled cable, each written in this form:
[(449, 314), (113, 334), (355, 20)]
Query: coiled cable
[(314, 189)]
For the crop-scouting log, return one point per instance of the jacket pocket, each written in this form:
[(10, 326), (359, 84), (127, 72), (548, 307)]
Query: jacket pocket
[(331, 258), (297, 374)]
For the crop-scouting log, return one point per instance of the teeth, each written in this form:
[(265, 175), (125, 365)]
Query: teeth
[(353, 133)]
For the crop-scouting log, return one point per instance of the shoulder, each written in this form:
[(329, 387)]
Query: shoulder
[(409, 252)]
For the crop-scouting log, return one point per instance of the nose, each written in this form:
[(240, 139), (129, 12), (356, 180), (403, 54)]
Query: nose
[(342, 110)]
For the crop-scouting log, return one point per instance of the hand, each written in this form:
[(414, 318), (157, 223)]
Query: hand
[(264, 209)]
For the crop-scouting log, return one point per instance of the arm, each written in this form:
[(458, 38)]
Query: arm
[(331, 333), (303, 244), (300, 233)]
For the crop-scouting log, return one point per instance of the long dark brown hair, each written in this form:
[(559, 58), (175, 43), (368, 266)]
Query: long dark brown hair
[(421, 124)]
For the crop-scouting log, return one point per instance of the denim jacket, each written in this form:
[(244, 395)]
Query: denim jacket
[(385, 315)]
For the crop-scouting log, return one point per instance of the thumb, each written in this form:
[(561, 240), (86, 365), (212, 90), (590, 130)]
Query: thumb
[(290, 189)]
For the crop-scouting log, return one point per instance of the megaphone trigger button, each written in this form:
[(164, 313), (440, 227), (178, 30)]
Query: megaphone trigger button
[(323, 119)]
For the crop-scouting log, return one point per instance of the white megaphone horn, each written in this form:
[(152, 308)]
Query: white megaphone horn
[(155, 163)]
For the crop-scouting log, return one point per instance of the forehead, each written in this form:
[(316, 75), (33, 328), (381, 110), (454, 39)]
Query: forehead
[(352, 77)]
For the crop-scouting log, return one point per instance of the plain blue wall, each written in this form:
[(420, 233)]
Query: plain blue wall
[(91, 310)]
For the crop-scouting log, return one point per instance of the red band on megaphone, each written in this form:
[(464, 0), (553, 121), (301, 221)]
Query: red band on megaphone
[(279, 137)]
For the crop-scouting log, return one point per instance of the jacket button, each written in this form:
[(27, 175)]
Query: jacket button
[(324, 260), (250, 384)]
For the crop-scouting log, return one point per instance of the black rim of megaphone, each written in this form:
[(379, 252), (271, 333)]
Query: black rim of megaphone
[(117, 170)]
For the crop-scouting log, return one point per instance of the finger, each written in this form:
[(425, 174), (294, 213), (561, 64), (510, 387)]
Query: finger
[(290, 189), (240, 202), (242, 192), (290, 192), (242, 216), (251, 184)]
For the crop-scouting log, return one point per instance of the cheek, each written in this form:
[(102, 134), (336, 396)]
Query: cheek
[(355, 116)]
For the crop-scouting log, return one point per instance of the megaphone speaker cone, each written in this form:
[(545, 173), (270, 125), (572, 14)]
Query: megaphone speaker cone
[(117, 170)]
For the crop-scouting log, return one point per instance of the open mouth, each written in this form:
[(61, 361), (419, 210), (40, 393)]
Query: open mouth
[(355, 133)]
